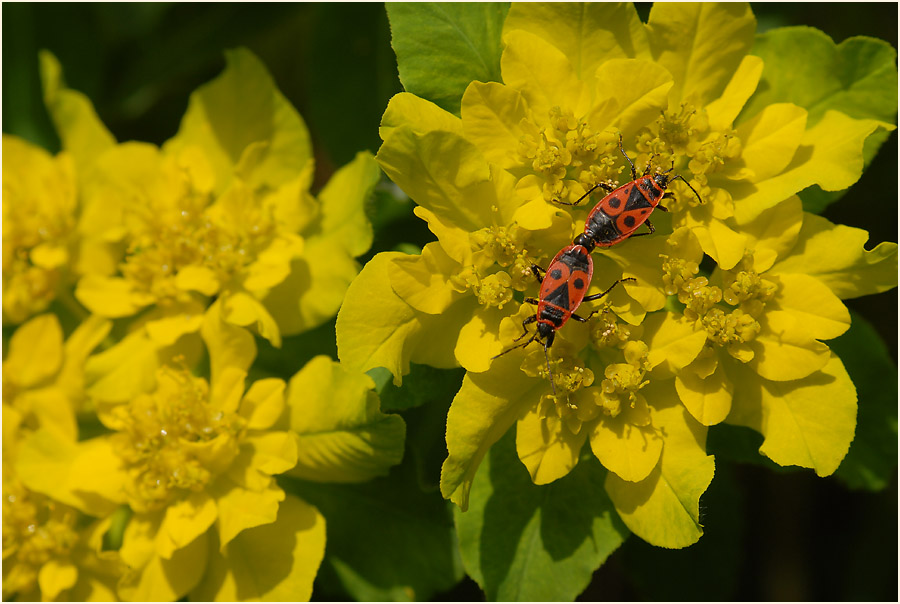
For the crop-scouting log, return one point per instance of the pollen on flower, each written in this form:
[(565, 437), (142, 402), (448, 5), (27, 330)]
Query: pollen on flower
[(725, 329), (498, 244), (608, 332), (623, 380), (677, 272), (184, 231), (747, 285), (38, 227), (165, 440), (494, 290), (36, 530), (564, 150)]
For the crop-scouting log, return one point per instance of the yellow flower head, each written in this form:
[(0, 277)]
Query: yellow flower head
[(712, 315), (40, 212)]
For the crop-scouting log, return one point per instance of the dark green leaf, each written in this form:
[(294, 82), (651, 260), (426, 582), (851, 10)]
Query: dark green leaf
[(387, 540), (442, 46), (872, 459), (523, 542)]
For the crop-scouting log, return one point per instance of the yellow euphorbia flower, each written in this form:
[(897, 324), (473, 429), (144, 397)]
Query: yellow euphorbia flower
[(222, 210), (674, 90), (40, 211)]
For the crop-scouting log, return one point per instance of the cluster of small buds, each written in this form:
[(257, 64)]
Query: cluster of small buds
[(677, 272), (164, 436), (607, 332), (36, 529), (623, 380), (497, 244), (714, 153), (565, 152)]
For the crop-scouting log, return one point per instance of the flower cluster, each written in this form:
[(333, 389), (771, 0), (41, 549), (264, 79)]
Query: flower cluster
[(130, 471), (733, 298)]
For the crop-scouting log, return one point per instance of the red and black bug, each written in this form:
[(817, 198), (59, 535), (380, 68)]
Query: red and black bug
[(563, 289), (617, 216)]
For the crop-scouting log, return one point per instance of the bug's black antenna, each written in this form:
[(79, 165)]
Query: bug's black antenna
[(549, 371), (684, 180)]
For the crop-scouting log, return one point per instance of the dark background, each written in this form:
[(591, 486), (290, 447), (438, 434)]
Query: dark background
[(769, 535)]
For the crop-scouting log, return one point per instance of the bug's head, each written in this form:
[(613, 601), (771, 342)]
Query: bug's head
[(546, 332), (662, 178)]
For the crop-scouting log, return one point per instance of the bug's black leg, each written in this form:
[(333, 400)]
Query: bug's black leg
[(534, 301), (581, 319), (608, 289), (602, 185), (537, 272), (528, 320), (662, 207), (633, 169)]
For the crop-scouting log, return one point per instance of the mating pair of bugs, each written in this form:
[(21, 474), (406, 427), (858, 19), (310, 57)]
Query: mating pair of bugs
[(615, 218)]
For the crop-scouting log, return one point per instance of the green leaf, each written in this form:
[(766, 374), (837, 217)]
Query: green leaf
[(423, 385), (387, 539), (522, 542), (804, 66), (442, 46), (872, 460), (343, 436)]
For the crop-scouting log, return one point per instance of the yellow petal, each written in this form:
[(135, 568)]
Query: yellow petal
[(491, 113), (227, 389), (197, 278), (374, 324), (51, 408), (830, 155), (546, 445), (273, 562), (772, 234), (185, 521), (771, 138), (228, 345), (123, 371), (708, 398), (35, 352), (263, 403), (163, 580), (784, 350), (631, 452), (814, 306), (422, 281), (479, 341), (456, 191), (722, 243), (244, 310), (673, 342), (55, 577), (273, 452), (406, 109), (240, 509), (166, 324), (589, 34), (724, 110), (239, 108), (701, 45), (343, 199), (485, 407), (111, 297), (664, 508), (636, 93), (835, 254), (541, 73), (79, 127), (808, 422)]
